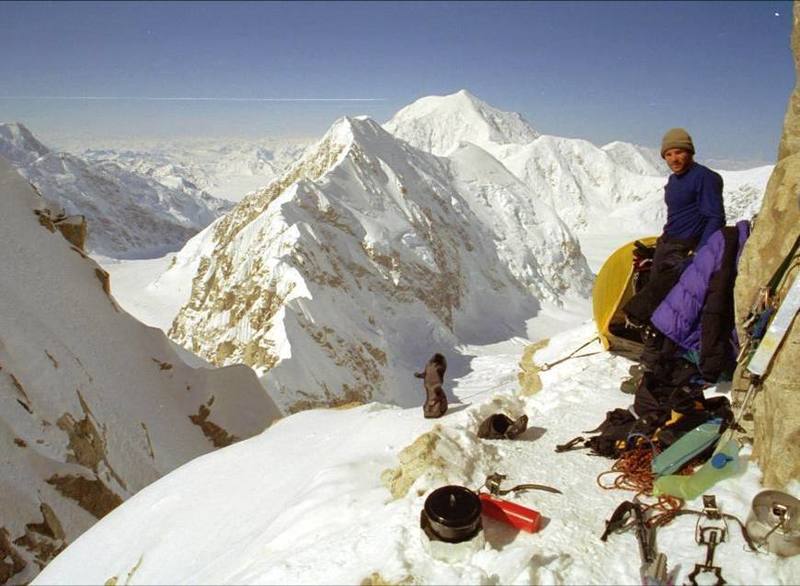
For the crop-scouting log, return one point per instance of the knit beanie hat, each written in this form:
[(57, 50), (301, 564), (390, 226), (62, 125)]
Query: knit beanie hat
[(676, 138)]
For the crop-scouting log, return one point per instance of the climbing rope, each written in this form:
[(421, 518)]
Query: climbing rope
[(549, 365), (634, 472)]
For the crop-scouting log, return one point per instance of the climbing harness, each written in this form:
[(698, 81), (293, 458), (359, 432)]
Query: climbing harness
[(549, 365)]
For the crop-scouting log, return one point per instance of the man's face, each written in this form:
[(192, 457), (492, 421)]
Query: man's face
[(678, 160)]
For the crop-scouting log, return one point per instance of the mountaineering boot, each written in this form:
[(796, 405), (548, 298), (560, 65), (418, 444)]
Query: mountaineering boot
[(501, 426), (435, 403), (517, 428), (433, 378)]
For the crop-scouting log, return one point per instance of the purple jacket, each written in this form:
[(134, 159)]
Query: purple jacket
[(678, 316)]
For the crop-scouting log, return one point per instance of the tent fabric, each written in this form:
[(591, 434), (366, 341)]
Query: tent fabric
[(613, 286)]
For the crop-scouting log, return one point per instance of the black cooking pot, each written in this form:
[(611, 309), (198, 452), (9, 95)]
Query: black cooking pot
[(451, 514)]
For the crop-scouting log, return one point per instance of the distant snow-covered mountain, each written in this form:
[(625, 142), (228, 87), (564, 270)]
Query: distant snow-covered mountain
[(583, 182), (225, 168), (575, 177), (18, 145), (345, 274), (586, 184), (312, 269), (93, 405), (128, 214), (438, 124), (530, 237)]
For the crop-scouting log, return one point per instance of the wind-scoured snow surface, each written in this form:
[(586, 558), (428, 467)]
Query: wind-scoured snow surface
[(93, 404), (303, 503), (129, 215)]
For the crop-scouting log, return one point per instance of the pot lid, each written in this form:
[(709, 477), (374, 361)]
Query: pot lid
[(774, 508), (453, 506)]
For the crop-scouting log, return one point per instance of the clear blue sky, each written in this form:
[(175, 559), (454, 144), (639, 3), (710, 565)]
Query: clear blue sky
[(596, 70)]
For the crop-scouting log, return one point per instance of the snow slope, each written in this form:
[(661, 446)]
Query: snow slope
[(636, 158), (344, 275), (93, 405), (129, 215), (323, 513)]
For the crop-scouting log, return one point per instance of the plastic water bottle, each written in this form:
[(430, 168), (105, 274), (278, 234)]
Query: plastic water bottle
[(687, 447), (724, 463)]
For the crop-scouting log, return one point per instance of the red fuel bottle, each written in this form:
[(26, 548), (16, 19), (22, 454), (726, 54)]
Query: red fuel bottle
[(513, 514)]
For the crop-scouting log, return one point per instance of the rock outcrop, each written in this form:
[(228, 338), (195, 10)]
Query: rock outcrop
[(94, 405), (776, 407)]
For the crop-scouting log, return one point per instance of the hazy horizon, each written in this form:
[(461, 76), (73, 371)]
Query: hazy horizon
[(599, 71)]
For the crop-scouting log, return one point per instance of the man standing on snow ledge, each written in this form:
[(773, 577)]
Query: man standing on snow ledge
[(693, 195)]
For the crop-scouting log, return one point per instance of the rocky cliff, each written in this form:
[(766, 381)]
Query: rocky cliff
[(776, 407)]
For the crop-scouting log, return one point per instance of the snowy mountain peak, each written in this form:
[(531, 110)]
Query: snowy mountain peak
[(350, 130), (362, 248), (341, 131), (17, 143), (439, 123)]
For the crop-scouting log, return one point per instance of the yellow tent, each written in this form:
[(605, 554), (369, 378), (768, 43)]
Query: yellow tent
[(613, 286)]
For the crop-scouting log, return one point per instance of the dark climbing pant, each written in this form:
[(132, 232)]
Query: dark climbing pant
[(668, 263)]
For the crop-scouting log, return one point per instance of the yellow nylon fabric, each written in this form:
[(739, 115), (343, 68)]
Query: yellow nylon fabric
[(612, 288)]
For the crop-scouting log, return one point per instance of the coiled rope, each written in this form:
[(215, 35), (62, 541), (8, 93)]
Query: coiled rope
[(634, 473)]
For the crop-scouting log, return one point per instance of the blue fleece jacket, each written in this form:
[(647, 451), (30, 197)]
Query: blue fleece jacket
[(694, 204)]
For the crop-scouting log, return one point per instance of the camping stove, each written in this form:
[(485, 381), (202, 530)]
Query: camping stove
[(451, 523)]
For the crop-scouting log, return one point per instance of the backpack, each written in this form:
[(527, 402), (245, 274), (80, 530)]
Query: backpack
[(615, 434)]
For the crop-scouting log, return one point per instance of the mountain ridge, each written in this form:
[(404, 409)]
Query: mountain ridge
[(128, 215), (363, 225)]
